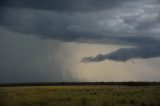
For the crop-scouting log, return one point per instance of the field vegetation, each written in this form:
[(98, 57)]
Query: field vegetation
[(80, 95)]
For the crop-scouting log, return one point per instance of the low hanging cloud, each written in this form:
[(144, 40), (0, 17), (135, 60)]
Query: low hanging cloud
[(125, 54)]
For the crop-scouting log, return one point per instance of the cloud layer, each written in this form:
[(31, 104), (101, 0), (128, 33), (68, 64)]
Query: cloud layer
[(62, 5), (121, 22)]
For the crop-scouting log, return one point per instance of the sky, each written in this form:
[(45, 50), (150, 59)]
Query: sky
[(79, 40)]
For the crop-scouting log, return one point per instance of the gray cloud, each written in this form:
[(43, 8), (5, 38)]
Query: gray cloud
[(122, 22), (87, 28), (125, 54), (62, 5)]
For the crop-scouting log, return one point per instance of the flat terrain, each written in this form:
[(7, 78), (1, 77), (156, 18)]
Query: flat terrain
[(91, 95)]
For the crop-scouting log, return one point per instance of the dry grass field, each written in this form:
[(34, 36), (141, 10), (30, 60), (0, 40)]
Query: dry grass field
[(95, 95)]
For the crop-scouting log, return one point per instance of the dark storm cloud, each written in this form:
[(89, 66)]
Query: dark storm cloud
[(122, 22), (125, 54), (62, 5), (50, 26), (116, 27), (62, 27)]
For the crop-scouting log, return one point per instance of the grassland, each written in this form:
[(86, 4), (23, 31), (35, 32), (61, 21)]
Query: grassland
[(93, 95)]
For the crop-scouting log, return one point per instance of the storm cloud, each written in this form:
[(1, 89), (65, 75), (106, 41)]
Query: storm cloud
[(82, 21), (121, 22), (133, 23), (62, 5), (144, 26)]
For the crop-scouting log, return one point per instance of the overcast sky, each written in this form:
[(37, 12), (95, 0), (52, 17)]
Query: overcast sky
[(79, 40)]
